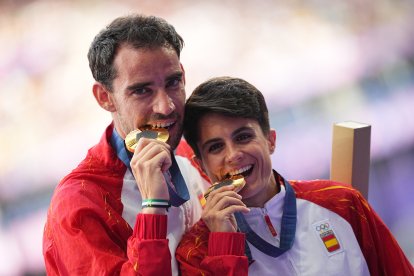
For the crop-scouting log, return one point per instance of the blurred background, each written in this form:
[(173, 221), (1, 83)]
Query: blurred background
[(317, 62)]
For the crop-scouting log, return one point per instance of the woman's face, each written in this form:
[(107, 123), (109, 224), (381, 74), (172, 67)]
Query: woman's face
[(230, 146)]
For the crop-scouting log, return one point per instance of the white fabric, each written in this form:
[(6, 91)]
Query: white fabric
[(180, 219), (309, 255)]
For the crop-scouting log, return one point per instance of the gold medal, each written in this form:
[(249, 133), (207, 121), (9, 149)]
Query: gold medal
[(237, 181), (161, 134)]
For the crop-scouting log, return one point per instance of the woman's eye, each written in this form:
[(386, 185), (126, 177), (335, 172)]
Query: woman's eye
[(214, 148), (244, 137)]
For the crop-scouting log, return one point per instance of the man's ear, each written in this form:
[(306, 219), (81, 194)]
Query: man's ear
[(103, 96), (182, 68), (271, 138)]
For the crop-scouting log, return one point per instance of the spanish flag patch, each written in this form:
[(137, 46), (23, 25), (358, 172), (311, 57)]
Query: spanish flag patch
[(326, 233), (330, 241)]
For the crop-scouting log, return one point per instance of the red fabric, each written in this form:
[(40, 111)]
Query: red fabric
[(85, 233), (193, 258), (381, 251), (225, 243), (150, 226), (150, 253)]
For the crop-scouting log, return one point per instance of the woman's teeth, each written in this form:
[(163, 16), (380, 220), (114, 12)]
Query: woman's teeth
[(241, 170)]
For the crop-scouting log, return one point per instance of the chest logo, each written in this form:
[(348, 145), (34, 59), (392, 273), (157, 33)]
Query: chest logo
[(328, 237)]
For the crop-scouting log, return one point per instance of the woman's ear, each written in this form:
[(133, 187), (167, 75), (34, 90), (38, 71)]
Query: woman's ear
[(199, 163), (103, 97), (271, 138), (200, 166)]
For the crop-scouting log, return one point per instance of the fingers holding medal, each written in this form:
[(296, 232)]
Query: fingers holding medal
[(222, 202)]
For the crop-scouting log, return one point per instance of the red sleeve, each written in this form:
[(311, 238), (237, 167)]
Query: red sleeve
[(381, 251), (81, 238), (203, 253), (148, 247)]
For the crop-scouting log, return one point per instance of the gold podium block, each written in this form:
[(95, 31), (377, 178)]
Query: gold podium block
[(351, 155)]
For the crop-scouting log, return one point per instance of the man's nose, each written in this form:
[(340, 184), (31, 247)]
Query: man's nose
[(163, 104)]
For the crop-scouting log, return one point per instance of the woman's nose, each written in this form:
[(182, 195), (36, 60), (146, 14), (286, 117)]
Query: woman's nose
[(233, 154)]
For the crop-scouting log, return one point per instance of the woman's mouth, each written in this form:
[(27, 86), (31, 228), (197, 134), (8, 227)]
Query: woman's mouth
[(243, 171)]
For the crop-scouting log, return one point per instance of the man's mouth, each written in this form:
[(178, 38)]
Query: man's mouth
[(165, 125)]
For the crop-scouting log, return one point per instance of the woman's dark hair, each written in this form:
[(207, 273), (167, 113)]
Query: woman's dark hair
[(227, 96)]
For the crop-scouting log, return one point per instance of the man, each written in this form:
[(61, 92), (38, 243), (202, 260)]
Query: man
[(102, 218), (272, 226)]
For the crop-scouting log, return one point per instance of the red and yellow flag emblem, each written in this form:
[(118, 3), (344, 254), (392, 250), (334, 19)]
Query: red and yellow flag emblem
[(329, 239)]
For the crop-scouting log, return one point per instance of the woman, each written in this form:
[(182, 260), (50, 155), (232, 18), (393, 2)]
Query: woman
[(272, 226)]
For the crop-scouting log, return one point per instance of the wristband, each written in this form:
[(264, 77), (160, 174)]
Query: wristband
[(156, 206), (156, 203)]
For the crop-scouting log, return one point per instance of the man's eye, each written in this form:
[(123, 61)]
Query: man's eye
[(214, 148), (141, 90), (174, 82)]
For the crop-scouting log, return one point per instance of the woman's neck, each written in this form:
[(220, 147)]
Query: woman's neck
[(265, 195)]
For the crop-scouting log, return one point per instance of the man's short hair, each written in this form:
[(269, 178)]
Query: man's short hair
[(139, 31)]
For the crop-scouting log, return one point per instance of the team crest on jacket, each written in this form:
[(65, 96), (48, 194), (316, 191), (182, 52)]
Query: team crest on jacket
[(326, 233)]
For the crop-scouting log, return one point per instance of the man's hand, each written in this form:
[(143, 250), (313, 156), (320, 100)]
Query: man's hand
[(218, 213), (151, 158)]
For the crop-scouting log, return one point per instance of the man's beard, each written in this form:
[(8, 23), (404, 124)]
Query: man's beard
[(176, 138)]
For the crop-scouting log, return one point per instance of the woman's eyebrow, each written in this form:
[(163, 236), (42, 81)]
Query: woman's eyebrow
[(241, 129), (210, 141)]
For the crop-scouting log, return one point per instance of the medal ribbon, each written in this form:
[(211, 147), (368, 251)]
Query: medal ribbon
[(177, 188), (287, 231)]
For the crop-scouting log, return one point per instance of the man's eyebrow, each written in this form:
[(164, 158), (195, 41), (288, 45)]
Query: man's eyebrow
[(175, 75), (137, 85)]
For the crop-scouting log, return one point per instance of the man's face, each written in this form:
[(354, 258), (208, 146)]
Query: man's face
[(231, 146), (148, 91)]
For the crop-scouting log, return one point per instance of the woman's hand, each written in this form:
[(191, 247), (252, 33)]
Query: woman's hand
[(218, 213)]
